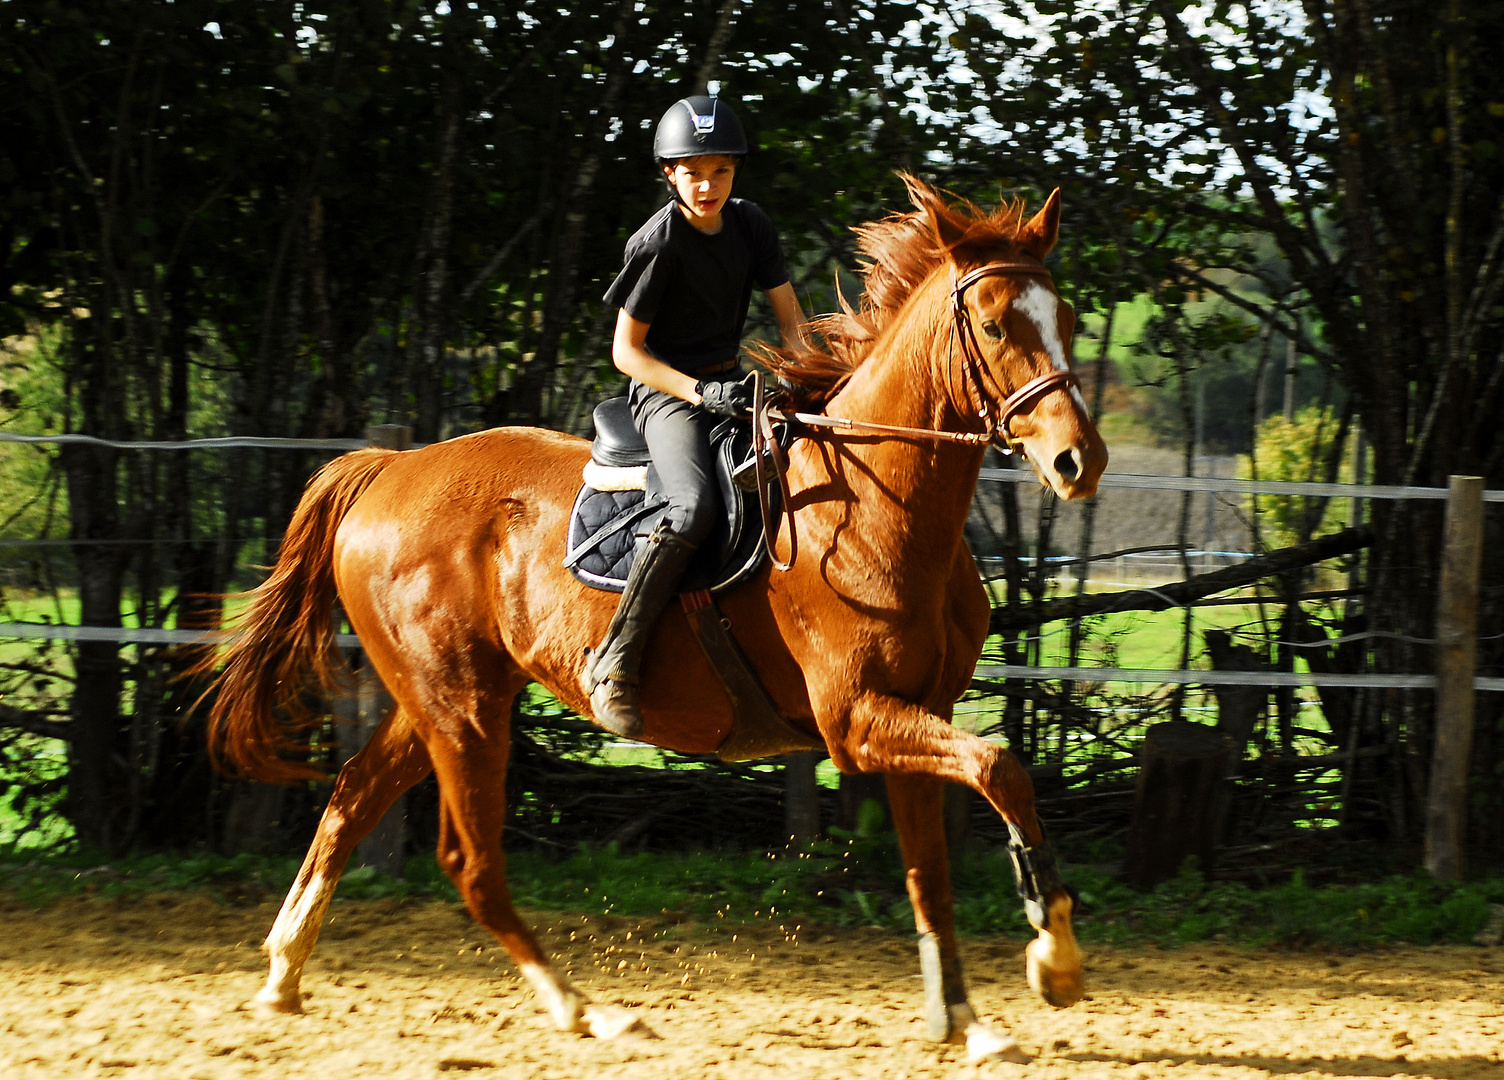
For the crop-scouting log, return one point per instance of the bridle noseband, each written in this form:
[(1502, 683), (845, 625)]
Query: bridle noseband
[(1025, 397)]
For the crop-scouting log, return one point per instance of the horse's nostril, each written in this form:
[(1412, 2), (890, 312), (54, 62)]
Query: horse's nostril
[(1065, 464)]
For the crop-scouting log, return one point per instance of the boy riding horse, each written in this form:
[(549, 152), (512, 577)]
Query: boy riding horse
[(683, 295)]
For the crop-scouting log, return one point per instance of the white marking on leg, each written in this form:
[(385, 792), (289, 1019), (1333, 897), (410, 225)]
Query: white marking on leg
[(564, 1004), (1043, 309), (983, 1043), (290, 942), (571, 1010)]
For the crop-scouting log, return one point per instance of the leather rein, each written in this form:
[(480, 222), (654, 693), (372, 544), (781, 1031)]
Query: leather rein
[(770, 458)]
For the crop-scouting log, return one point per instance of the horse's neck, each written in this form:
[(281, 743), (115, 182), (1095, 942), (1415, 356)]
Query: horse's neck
[(912, 380)]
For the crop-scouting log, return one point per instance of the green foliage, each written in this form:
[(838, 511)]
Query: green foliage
[(1414, 909), (32, 402), (870, 817), (1297, 450), (845, 883), (32, 769), (294, 218)]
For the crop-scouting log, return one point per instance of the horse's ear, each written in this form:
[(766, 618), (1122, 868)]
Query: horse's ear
[(1039, 233), (942, 222)]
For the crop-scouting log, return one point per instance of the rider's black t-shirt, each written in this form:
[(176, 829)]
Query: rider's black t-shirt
[(693, 289)]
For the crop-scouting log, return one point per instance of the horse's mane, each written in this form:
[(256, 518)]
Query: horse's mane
[(898, 252)]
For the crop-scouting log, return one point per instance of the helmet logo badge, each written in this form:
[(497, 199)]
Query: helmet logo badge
[(704, 125)]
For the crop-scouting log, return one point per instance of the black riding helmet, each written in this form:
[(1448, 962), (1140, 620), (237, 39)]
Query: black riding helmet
[(698, 125)]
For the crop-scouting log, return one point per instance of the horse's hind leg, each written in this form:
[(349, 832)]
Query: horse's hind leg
[(917, 805), (471, 769), (392, 761)]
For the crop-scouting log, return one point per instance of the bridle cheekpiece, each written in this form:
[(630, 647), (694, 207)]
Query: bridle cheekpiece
[(1020, 400)]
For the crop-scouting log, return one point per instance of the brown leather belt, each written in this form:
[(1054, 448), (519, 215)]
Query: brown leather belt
[(718, 369)]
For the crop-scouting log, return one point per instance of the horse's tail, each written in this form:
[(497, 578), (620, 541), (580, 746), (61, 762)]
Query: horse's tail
[(281, 654)]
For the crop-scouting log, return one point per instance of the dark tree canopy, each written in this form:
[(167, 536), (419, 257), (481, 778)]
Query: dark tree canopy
[(297, 219)]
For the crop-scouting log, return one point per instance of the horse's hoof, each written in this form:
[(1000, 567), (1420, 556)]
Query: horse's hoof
[(984, 1044), (271, 1003), (610, 1022), (1061, 988)]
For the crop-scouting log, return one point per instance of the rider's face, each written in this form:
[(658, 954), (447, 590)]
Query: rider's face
[(704, 185)]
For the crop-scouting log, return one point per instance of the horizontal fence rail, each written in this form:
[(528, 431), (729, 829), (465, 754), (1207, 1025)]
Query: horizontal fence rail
[(227, 442), (1130, 481), (1143, 482), (1138, 481), (130, 635), (1188, 677)]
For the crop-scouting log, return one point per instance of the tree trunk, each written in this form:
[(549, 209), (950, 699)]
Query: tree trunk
[(96, 783), (524, 403)]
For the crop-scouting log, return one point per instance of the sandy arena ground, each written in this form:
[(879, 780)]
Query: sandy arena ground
[(154, 986)]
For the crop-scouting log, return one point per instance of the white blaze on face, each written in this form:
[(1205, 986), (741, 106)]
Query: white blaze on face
[(1041, 306)]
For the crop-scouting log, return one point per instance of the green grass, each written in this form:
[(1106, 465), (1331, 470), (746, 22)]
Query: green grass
[(1127, 331), (1139, 639), (855, 882)]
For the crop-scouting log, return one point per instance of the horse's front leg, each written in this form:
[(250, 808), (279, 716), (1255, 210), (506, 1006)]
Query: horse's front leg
[(917, 804), (885, 734)]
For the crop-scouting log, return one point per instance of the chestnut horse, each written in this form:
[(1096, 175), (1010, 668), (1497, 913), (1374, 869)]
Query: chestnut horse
[(448, 563)]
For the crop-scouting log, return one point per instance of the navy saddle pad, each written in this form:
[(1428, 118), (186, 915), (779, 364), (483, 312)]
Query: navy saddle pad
[(604, 525)]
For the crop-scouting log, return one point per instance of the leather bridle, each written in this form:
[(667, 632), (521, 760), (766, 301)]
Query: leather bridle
[(996, 409), (1016, 402)]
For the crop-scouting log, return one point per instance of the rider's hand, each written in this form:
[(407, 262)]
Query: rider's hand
[(725, 398)]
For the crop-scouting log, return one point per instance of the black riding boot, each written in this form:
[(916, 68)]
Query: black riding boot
[(610, 675)]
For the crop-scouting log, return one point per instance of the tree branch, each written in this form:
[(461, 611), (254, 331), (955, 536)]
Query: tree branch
[(1179, 593), (34, 723), (1289, 330)]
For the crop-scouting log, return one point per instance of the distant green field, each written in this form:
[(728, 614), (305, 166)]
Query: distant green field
[(1138, 639)]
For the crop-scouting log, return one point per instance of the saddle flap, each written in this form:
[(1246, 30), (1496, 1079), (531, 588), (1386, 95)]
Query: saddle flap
[(617, 441)]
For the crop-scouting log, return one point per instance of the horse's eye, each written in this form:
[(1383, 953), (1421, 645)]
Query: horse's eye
[(992, 330)]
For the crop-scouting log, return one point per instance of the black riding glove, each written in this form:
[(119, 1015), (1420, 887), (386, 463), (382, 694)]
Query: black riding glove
[(725, 398)]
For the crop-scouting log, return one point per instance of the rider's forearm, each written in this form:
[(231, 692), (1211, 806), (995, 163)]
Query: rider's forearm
[(790, 315), (637, 363), (793, 336)]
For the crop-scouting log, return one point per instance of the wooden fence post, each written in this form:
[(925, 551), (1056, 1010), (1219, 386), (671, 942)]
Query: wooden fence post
[(391, 436), (1456, 660), (801, 798), (383, 847), (1178, 801)]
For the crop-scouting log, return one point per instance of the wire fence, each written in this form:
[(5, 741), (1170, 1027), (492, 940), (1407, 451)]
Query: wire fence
[(1155, 554)]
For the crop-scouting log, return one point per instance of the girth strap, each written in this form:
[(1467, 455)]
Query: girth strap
[(611, 528)]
